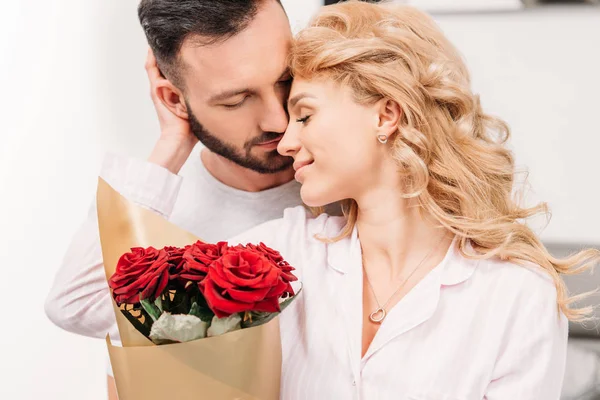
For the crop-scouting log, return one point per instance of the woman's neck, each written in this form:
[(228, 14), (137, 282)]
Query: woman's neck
[(396, 234)]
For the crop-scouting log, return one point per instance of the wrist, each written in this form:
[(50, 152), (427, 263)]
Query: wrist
[(172, 154)]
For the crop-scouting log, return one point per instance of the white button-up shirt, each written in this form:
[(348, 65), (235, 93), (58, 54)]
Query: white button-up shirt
[(470, 329)]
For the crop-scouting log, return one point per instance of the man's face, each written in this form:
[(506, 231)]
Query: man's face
[(236, 90)]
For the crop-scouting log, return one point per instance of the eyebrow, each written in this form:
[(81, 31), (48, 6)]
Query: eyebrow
[(236, 92), (294, 100)]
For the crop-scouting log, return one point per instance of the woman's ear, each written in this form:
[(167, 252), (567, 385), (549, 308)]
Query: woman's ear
[(389, 115), (171, 97)]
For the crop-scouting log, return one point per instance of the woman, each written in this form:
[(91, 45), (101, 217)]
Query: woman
[(430, 287)]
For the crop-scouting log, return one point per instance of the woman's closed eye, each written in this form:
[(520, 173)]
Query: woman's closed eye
[(303, 120)]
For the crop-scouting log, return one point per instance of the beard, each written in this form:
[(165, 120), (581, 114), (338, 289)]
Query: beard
[(271, 162)]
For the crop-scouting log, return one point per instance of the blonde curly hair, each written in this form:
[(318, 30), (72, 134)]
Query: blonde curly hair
[(452, 155)]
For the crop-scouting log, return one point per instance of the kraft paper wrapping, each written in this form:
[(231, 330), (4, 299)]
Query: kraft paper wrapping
[(244, 364)]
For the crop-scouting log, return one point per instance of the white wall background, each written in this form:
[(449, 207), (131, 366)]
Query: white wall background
[(73, 87)]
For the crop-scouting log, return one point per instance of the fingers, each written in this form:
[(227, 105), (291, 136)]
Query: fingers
[(154, 75), (152, 67), (150, 59)]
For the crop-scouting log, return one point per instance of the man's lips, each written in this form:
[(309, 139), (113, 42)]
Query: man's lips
[(276, 140)]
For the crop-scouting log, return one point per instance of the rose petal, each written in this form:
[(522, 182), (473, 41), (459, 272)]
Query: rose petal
[(249, 296), (221, 306), (268, 305), (230, 276)]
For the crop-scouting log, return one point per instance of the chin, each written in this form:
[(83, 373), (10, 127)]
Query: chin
[(313, 198)]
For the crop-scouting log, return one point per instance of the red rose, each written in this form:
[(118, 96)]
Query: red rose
[(271, 254), (244, 280), (141, 274), (198, 257), (176, 257), (276, 258), (287, 275), (176, 260)]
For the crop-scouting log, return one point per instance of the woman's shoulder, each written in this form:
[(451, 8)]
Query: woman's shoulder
[(301, 220), (520, 281), (298, 225), (521, 301)]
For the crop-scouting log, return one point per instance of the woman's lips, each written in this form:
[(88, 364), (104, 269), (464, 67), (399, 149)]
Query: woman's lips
[(300, 169)]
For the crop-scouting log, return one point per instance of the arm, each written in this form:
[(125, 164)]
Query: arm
[(112, 388), (531, 365), (79, 300)]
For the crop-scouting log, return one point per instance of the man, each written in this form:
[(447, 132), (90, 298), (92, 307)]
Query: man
[(224, 82)]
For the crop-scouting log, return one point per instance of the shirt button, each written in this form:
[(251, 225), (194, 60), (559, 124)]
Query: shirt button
[(353, 383)]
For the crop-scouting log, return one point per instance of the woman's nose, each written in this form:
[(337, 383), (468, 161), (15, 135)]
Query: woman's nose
[(289, 145)]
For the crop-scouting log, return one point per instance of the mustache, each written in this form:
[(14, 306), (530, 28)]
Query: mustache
[(265, 137)]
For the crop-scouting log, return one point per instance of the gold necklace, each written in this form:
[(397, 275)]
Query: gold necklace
[(379, 314)]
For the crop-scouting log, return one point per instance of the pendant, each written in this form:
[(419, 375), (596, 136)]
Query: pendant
[(377, 316)]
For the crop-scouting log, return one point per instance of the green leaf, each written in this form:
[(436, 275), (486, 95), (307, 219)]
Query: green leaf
[(158, 303), (151, 309), (289, 300), (204, 313), (260, 318), (195, 310)]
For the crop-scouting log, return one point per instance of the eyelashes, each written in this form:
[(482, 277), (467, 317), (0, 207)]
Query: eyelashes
[(236, 105), (303, 120)]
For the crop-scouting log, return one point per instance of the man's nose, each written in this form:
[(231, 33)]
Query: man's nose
[(275, 117)]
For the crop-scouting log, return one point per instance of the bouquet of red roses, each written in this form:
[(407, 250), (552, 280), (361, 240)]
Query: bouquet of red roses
[(196, 320), (176, 295)]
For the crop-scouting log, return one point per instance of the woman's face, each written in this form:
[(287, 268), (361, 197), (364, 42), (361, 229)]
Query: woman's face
[(333, 141)]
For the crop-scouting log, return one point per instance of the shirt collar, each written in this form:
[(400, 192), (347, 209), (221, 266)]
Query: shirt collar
[(340, 253), (455, 267)]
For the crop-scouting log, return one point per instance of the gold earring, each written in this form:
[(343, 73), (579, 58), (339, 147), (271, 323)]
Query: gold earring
[(382, 139)]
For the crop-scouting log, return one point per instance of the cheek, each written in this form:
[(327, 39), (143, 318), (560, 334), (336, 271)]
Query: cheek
[(337, 133), (341, 141), (231, 126), (329, 179), (345, 157), (351, 147)]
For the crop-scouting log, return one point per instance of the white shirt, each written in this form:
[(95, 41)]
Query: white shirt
[(79, 300), (469, 330)]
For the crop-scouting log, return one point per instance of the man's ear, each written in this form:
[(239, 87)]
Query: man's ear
[(389, 116), (171, 97)]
